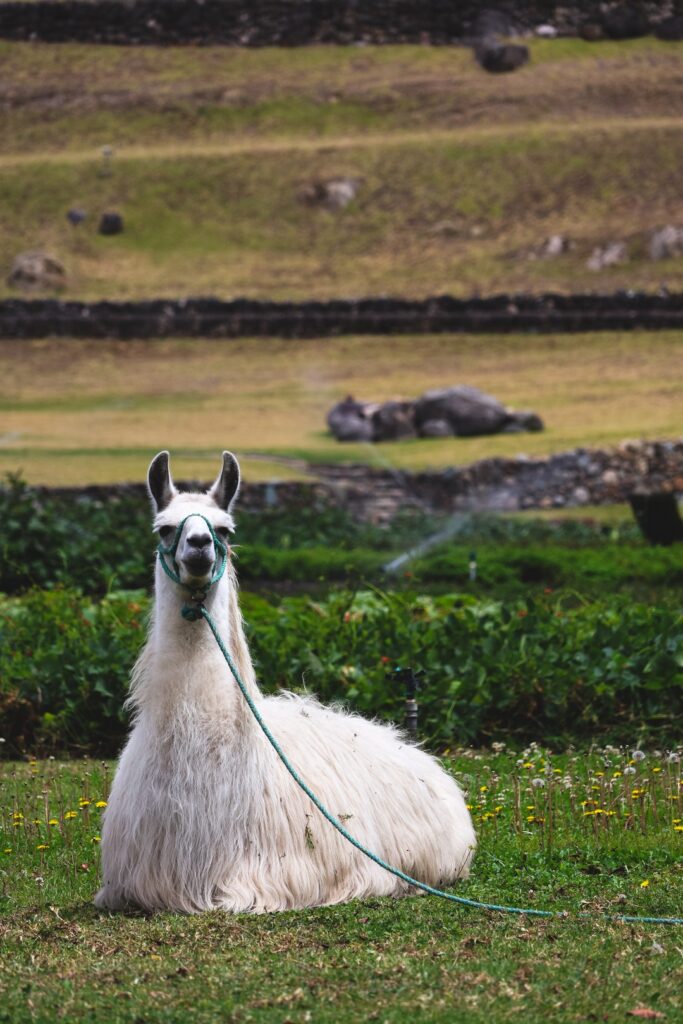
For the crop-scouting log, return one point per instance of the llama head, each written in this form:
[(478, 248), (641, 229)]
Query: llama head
[(195, 554)]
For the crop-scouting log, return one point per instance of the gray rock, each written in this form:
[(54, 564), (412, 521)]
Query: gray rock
[(608, 255), (393, 421), (468, 410), (333, 194), (526, 420), (111, 223), (501, 58), (436, 428), (350, 420), (37, 270), (666, 243)]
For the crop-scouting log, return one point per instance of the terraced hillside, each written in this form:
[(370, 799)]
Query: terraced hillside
[(462, 176)]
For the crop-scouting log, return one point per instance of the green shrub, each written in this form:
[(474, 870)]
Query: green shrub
[(541, 669)]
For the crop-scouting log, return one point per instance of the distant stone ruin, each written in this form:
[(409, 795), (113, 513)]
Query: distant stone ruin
[(461, 411)]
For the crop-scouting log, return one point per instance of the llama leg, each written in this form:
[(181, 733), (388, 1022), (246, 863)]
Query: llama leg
[(109, 898)]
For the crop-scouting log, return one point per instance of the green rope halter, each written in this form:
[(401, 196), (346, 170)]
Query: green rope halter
[(198, 594)]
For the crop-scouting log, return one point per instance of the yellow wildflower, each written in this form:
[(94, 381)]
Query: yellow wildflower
[(101, 803), (645, 884), (96, 839), (70, 814), (53, 821), (42, 846)]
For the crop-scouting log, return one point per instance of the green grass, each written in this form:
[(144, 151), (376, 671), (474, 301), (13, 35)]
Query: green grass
[(233, 223), (461, 180), (396, 961), (96, 411)]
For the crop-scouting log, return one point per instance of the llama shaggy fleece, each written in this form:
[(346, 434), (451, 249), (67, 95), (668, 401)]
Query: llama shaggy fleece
[(202, 813)]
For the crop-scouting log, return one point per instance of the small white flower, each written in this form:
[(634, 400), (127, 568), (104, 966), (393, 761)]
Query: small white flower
[(537, 783), (629, 770), (637, 755), (673, 758)]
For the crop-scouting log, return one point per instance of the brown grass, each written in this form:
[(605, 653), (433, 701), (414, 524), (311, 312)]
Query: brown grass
[(82, 411)]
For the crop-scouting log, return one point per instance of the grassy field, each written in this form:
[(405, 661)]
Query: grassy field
[(567, 832), (81, 411), (463, 175)]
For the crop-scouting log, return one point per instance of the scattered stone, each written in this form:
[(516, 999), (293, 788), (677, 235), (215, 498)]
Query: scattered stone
[(75, 216), (580, 496), (334, 194), (555, 245), (37, 270), (111, 223), (501, 58), (625, 21), (670, 29), (666, 243), (545, 31), (608, 255)]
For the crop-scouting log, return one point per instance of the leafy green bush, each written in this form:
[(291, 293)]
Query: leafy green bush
[(541, 669), (98, 545), (64, 667)]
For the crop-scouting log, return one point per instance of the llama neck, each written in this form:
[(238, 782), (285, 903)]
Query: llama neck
[(181, 667)]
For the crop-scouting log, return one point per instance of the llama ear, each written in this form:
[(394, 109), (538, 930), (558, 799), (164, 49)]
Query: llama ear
[(159, 482), (224, 490)]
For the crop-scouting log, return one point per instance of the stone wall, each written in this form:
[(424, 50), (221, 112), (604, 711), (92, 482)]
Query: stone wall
[(41, 318), (568, 479), (282, 22)]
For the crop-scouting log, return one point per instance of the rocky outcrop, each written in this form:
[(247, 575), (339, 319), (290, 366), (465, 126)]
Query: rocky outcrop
[(461, 411)]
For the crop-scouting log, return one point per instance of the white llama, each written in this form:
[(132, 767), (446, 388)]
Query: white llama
[(202, 813)]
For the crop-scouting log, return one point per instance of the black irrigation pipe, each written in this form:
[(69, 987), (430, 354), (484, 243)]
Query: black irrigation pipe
[(161, 318)]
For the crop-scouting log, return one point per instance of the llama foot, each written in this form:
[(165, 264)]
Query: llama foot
[(110, 899)]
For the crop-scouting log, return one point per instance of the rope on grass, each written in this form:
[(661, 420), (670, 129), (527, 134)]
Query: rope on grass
[(198, 610)]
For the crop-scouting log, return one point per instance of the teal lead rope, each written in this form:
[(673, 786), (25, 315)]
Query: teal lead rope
[(194, 612)]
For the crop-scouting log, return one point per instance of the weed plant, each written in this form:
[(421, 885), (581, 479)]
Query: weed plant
[(554, 664), (591, 833)]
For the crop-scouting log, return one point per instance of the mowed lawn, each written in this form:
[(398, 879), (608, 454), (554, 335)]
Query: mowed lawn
[(594, 835), (74, 411)]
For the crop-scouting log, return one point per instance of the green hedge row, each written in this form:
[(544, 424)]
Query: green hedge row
[(535, 669), (98, 546)]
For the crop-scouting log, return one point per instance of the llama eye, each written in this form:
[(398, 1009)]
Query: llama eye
[(166, 532), (223, 532)]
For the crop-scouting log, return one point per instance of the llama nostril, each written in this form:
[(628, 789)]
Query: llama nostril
[(199, 541)]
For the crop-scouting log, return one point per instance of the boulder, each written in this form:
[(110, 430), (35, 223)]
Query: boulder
[(111, 223), (75, 216), (467, 410), (670, 29), (499, 58), (37, 270), (350, 420), (393, 421), (666, 243)]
